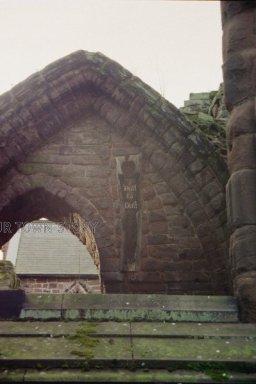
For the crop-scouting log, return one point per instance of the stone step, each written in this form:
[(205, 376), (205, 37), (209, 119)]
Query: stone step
[(130, 307), (127, 352), (136, 329), (131, 375)]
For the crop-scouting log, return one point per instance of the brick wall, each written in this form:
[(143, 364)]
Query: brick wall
[(59, 285)]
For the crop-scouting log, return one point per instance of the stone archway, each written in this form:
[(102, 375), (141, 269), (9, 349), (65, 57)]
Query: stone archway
[(107, 144)]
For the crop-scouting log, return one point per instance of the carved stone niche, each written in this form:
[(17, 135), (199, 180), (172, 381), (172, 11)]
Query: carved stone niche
[(129, 180)]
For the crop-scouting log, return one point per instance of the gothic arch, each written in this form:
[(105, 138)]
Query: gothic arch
[(86, 102)]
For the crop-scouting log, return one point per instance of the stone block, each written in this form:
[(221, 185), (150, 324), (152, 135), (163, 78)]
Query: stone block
[(196, 166), (179, 184), (144, 287), (160, 252), (158, 227), (209, 210), (213, 188), (161, 187), (106, 252), (243, 250), (172, 210), (241, 192), (114, 287), (179, 220), (168, 199), (178, 148), (154, 178), (170, 137), (238, 33), (200, 96), (109, 264), (231, 8), (112, 276), (154, 203), (158, 239), (242, 120), (244, 288), (170, 169), (157, 215), (186, 276), (155, 265), (218, 202), (239, 77), (186, 158), (188, 197), (204, 177), (180, 233), (189, 242), (147, 277), (148, 192), (159, 158), (243, 153), (190, 254)]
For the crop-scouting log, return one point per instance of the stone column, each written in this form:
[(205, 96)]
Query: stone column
[(239, 68)]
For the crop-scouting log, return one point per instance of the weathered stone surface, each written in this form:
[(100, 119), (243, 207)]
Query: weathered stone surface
[(233, 8), (242, 120), (82, 112), (241, 192), (239, 33), (244, 286), (239, 80), (8, 278), (243, 153), (240, 75), (242, 250)]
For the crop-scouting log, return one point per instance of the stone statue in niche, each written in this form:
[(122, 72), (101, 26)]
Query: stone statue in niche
[(128, 169)]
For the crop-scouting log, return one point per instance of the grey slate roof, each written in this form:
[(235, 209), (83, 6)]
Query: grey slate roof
[(46, 248)]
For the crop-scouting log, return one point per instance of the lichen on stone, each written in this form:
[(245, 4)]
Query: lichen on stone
[(207, 112), (8, 277), (85, 337)]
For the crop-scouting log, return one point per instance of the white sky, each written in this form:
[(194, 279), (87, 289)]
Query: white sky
[(174, 46)]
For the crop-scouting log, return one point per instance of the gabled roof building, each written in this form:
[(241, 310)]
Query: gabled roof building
[(49, 258)]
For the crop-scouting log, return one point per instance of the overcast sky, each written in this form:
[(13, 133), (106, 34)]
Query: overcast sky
[(175, 46)]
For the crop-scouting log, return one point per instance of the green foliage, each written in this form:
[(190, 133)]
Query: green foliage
[(215, 370), (86, 339), (214, 130), (212, 94)]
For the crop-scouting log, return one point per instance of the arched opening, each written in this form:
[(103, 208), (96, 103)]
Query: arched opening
[(58, 254), (48, 258)]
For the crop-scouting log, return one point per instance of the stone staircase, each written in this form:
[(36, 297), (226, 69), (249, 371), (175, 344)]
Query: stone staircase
[(127, 338)]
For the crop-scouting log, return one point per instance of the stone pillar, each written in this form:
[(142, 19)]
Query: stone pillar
[(239, 69)]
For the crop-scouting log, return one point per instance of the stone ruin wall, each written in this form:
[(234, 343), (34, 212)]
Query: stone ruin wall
[(96, 119), (207, 111), (172, 258)]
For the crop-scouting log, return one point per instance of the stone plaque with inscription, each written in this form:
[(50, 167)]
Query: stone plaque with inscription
[(128, 172)]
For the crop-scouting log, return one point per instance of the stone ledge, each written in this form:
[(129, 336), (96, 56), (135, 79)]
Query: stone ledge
[(130, 307)]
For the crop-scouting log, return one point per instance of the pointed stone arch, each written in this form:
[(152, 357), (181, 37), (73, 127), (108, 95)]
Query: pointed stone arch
[(43, 196), (71, 123)]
